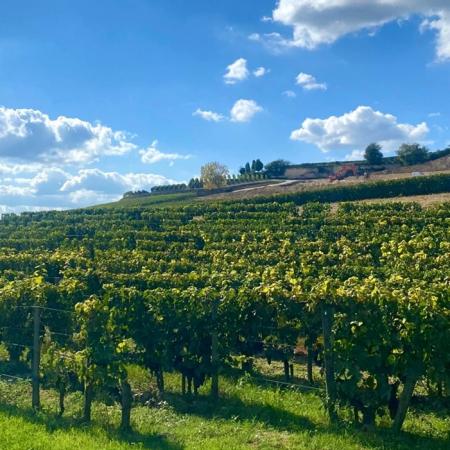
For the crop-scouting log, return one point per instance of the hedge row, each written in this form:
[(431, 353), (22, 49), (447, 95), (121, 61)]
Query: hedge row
[(423, 185)]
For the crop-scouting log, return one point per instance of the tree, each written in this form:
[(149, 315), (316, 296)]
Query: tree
[(373, 154), (277, 168), (248, 169), (242, 170), (410, 154), (214, 175), (258, 165)]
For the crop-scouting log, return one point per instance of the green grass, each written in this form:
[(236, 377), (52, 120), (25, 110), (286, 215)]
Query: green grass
[(248, 416), (151, 200)]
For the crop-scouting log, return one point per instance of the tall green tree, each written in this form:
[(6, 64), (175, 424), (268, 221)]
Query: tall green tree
[(277, 168), (258, 165), (373, 154), (410, 154)]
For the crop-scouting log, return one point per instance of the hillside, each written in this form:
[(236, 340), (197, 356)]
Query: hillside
[(427, 189), (211, 324)]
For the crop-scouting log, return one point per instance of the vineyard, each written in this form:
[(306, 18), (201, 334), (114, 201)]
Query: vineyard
[(198, 295)]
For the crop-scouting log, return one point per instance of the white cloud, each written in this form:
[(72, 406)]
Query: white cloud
[(254, 37), (236, 72), (48, 181), (53, 188), (15, 169), (85, 197), (30, 135), (209, 116), (244, 110), (260, 72), (309, 82), (97, 180), (38, 156), (356, 129), (289, 94), (274, 42), (317, 22), (152, 155), (434, 114), (355, 155), (442, 26)]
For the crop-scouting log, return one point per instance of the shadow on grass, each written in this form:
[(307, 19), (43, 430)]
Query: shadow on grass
[(52, 422), (233, 408), (384, 438), (438, 406)]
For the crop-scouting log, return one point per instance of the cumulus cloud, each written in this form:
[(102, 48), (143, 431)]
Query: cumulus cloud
[(317, 22), (30, 135), (355, 155), (209, 116), (244, 110), (309, 82), (236, 72), (152, 155), (42, 159), (96, 180), (260, 72), (289, 94), (356, 129), (53, 188), (442, 26)]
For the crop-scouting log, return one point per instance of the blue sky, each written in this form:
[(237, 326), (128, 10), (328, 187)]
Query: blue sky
[(101, 97)]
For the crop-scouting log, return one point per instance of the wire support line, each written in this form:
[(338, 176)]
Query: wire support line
[(47, 308), (60, 334), (44, 308), (13, 344), (285, 383), (64, 356), (5, 375)]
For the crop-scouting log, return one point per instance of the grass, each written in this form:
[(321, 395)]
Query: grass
[(151, 200), (248, 415)]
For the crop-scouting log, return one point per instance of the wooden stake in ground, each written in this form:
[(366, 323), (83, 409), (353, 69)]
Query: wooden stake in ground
[(214, 354), (36, 399), (330, 385)]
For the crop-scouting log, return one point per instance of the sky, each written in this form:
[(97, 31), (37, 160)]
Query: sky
[(101, 97)]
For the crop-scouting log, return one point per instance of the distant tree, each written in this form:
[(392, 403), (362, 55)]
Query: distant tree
[(248, 169), (258, 165), (410, 154), (373, 154), (242, 170), (277, 168), (253, 166), (214, 175)]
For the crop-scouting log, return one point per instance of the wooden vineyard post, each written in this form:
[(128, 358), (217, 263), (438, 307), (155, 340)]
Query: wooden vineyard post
[(214, 354), (405, 399), (330, 385), (310, 360), (36, 400), (127, 400)]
